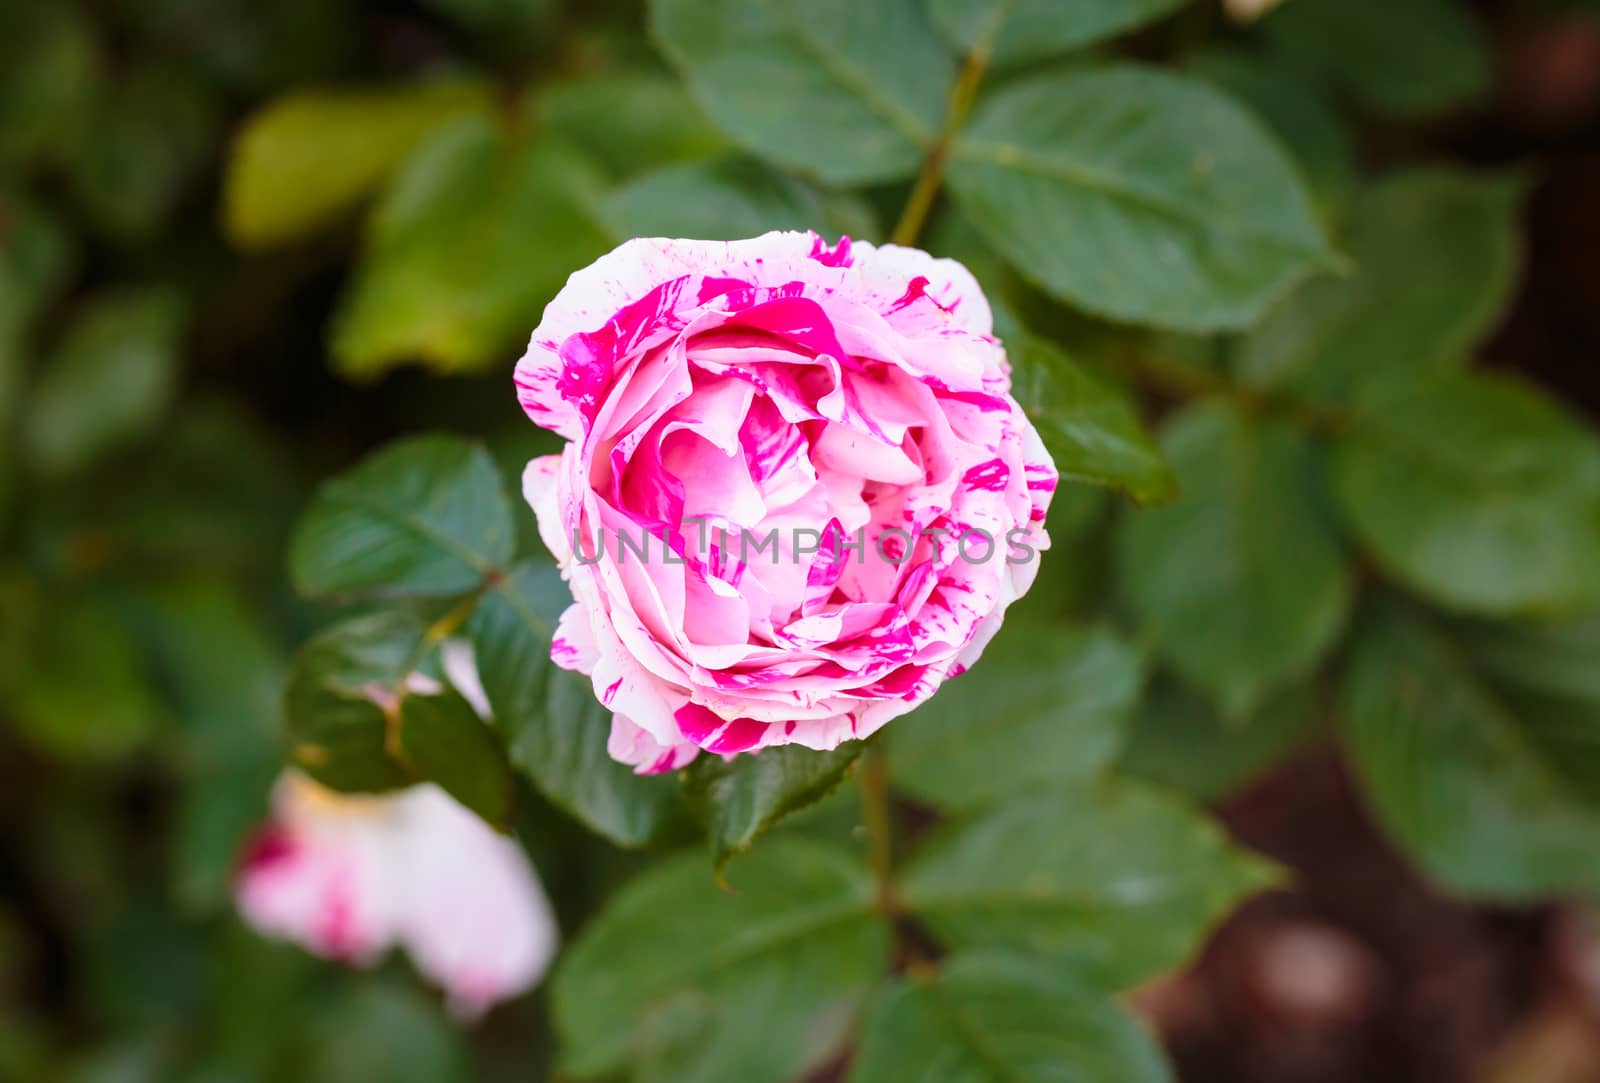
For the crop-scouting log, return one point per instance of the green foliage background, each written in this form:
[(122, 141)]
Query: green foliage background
[(248, 252)]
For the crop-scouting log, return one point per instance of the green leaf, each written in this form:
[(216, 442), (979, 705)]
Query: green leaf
[(378, 1030), (215, 488), (223, 676), (256, 987), (339, 730), (142, 964), (1072, 577), (310, 156), (1241, 583), (424, 516), (555, 727), (628, 122), (218, 810), (1043, 704), (1181, 741), (847, 92), (505, 23), (217, 662), (109, 381), (33, 266), (740, 799), (1436, 256), (477, 232), (1408, 60), (249, 50), (143, 142), (1295, 110), (727, 199), (1137, 195), (1545, 672), (1017, 31), (1491, 795), (1478, 492), (37, 257), (80, 690), (1116, 877), (443, 740), (761, 983), (22, 611), (1090, 428), (1002, 1019), (49, 68)]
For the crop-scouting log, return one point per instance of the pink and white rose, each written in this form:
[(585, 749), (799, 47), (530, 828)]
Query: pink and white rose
[(849, 407), (349, 877)]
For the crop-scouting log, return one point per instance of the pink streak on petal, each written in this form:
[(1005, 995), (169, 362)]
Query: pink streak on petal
[(741, 734), (837, 256), (696, 723), (991, 475)]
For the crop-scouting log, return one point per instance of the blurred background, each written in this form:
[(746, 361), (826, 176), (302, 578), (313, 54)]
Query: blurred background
[(192, 335)]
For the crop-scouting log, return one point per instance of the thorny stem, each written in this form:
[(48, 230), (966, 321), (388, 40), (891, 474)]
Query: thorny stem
[(926, 188), (873, 779)]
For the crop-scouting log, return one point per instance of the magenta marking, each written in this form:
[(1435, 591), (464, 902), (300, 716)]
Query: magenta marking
[(739, 735), (662, 763), (837, 256), (991, 476), (696, 723)]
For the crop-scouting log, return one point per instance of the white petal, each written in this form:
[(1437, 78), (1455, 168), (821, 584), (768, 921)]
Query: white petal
[(474, 918), (348, 877)]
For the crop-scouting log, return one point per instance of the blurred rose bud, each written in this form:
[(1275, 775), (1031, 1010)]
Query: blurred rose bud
[(349, 877)]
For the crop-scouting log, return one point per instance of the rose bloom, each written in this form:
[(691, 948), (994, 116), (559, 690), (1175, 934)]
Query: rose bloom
[(350, 876), (796, 496)]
